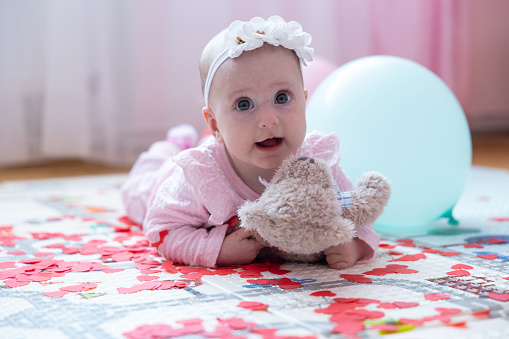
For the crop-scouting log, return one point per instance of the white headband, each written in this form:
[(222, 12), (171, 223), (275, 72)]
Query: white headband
[(245, 36)]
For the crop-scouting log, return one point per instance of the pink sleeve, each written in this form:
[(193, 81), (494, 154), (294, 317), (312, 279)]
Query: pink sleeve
[(149, 170), (365, 233), (193, 246), (371, 238), (178, 224)]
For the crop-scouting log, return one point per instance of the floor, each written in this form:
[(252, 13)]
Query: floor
[(55, 169), (489, 149), (72, 266)]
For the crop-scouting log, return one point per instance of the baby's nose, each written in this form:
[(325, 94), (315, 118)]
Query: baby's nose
[(268, 119)]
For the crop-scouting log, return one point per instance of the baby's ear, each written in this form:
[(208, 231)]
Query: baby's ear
[(210, 118)]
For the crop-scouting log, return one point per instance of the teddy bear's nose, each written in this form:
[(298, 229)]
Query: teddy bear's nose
[(311, 160)]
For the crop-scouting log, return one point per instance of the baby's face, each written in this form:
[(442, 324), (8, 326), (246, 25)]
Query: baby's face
[(257, 105)]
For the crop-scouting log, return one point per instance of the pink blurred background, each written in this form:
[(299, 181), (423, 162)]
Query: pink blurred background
[(101, 80)]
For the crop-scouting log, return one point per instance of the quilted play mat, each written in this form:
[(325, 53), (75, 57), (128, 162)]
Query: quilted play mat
[(72, 266)]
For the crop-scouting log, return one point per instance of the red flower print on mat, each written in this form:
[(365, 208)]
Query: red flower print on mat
[(391, 269), (461, 273), (499, 219), (358, 278), (323, 294), (436, 296), (253, 305), (410, 257), (461, 266), (488, 256), (504, 297)]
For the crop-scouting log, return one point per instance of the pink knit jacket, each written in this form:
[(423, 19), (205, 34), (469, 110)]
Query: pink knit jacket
[(184, 199)]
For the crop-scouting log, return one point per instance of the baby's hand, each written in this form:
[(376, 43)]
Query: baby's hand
[(346, 255), (238, 248)]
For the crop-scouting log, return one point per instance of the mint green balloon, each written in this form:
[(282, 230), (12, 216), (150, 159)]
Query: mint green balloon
[(396, 117)]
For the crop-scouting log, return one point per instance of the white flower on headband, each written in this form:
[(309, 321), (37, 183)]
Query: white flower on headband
[(246, 36)]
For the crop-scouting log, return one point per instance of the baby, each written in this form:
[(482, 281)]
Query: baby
[(255, 104)]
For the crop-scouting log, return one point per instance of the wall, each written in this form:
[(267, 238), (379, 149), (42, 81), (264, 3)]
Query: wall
[(489, 105)]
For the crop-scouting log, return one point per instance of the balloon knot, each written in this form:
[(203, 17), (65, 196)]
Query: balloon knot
[(452, 221)]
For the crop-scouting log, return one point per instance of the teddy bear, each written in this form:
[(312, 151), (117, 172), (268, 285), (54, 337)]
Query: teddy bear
[(302, 211)]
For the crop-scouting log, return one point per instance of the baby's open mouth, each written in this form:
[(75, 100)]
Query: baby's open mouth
[(270, 142)]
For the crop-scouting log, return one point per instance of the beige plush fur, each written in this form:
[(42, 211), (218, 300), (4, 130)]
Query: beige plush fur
[(298, 216)]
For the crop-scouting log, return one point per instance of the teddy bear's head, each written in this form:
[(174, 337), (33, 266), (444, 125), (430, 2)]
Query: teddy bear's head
[(303, 171), (299, 212)]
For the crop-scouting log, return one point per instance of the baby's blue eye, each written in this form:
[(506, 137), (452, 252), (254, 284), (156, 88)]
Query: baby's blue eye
[(243, 105), (282, 98)]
